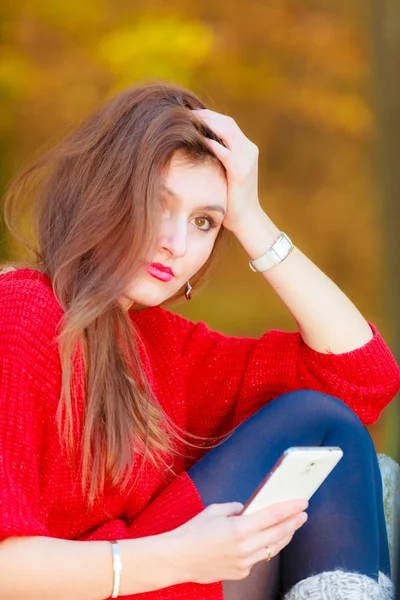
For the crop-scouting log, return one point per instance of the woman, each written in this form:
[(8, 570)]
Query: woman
[(117, 477)]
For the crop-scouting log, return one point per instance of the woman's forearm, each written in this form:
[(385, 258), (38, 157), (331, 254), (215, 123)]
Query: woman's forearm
[(33, 568), (328, 321)]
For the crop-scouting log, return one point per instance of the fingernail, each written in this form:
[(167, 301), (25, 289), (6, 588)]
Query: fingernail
[(302, 519)]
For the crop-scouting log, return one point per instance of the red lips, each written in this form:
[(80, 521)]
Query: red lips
[(161, 267), (158, 271)]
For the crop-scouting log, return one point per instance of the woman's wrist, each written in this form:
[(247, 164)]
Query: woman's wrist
[(177, 552), (256, 233), (151, 563)]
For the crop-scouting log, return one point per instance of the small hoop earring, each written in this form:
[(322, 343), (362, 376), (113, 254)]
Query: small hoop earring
[(188, 291)]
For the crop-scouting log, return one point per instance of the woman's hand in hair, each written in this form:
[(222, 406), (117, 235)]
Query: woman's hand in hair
[(240, 159), (219, 544)]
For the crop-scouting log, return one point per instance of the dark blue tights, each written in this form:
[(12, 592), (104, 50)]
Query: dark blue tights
[(346, 526)]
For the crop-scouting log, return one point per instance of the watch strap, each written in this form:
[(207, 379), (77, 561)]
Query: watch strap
[(279, 250)]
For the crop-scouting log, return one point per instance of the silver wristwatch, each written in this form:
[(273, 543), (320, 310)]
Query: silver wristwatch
[(279, 250)]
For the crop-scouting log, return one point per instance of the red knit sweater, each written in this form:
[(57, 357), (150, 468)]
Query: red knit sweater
[(207, 382)]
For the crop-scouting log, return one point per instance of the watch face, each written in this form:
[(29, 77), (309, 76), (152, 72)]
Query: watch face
[(276, 254), (282, 247)]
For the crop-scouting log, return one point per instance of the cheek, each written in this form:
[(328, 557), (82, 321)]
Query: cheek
[(200, 250)]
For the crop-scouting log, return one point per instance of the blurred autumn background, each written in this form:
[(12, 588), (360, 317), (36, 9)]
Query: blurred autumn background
[(314, 83)]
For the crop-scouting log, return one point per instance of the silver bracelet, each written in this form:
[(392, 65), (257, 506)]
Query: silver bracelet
[(117, 568)]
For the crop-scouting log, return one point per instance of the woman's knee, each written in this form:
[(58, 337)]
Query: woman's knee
[(317, 411), (303, 415), (312, 404)]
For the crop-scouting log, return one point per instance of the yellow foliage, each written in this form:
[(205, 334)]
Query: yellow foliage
[(330, 109), (15, 74), (68, 14), (166, 47)]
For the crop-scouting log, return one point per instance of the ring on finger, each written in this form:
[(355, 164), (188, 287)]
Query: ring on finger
[(269, 553)]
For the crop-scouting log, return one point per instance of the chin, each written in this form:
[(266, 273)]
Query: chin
[(149, 294)]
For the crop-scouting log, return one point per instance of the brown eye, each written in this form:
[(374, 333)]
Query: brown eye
[(202, 223)]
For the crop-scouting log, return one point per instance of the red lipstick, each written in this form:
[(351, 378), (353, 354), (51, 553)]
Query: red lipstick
[(160, 272)]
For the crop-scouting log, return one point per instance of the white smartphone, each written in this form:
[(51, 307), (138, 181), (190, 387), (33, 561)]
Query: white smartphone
[(297, 474)]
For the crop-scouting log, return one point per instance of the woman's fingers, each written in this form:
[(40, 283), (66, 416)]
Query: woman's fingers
[(274, 537), (220, 151), (240, 155), (272, 515), (282, 544), (224, 126), (268, 543), (267, 552)]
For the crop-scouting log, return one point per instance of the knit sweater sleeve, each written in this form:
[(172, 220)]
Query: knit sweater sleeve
[(29, 392), (22, 337), (228, 378)]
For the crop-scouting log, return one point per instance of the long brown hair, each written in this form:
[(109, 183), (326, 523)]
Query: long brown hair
[(96, 199)]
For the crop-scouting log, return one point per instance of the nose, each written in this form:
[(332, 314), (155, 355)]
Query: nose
[(173, 237)]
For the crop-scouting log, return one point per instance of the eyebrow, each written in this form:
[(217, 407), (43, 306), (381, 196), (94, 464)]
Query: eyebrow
[(209, 207)]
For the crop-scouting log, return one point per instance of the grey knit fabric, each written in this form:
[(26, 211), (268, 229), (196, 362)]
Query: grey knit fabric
[(342, 585)]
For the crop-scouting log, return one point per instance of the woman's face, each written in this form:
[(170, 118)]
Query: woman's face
[(193, 207)]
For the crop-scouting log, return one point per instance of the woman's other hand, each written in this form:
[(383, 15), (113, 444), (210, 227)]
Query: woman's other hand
[(219, 544)]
